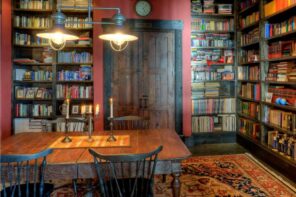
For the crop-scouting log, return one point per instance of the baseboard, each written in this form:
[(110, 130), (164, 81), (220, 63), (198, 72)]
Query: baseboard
[(210, 138)]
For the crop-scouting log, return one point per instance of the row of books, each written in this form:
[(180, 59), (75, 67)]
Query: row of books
[(274, 29), (214, 123), (281, 95), (78, 22), (31, 125), (207, 56), (213, 106), (72, 126), (32, 93), (251, 91), (199, 24), (247, 3), (280, 118), (249, 128), (249, 56), (74, 57), (282, 49), (74, 91), (281, 71), (35, 4), (208, 7), (84, 73), (276, 5), (250, 37), (32, 21), (74, 3), (282, 143), (27, 39), (250, 109), (249, 19), (211, 75), (36, 75), (211, 40), (248, 73), (41, 110)]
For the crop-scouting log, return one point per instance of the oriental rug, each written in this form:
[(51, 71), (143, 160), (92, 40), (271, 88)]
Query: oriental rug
[(223, 175)]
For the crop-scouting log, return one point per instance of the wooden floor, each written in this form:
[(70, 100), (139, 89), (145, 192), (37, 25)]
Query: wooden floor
[(225, 149)]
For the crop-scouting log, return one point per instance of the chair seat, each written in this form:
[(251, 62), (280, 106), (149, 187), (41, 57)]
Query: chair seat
[(48, 188), (126, 184)]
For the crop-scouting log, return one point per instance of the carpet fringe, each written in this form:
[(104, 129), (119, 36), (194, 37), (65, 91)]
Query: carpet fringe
[(280, 178)]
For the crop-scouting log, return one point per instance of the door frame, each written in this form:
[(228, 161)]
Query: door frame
[(175, 26)]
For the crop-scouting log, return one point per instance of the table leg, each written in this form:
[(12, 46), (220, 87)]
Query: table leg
[(176, 184)]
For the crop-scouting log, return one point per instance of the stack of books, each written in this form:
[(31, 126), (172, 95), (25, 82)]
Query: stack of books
[(209, 7), (196, 7), (281, 71), (224, 8)]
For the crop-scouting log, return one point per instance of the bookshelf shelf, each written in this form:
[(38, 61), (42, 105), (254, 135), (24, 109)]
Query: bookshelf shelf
[(31, 46), (250, 81), (280, 82), (213, 97), (249, 63), (212, 47), (283, 107), (248, 117), (73, 64), (29, 62), (281, 36), (213, 81), (75, 81), (281, 59), (270, 125), (248, 27), (211, 15), (32, 81), (210, 114), (248, 99), (213, 133), (249, 138), (250, 44), (49, 11), (279, 155), (31, 28), (218, 32)]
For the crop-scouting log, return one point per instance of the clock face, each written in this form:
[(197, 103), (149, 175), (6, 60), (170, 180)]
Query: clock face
[(143, 8)]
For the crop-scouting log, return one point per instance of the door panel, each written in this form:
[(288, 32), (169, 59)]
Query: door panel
[(143, 79)]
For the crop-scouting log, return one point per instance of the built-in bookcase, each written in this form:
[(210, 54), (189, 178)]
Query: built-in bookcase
[(42, 77), (213, 69), (267, 119)]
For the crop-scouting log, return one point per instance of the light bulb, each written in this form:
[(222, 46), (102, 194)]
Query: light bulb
[(58, 38)]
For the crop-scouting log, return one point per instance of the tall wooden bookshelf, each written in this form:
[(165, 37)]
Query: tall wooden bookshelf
[(213, 70), (41, 76), (271, 135)]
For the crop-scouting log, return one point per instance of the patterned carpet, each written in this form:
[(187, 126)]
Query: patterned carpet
[(224, 175)]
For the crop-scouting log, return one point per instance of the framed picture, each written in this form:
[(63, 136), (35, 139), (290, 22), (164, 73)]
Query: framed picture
[(20, 93), (88, 109), (30, 94), (39, 94), (75, 109), (268, 97)]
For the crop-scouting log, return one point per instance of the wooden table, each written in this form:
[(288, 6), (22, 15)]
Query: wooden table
[(72, 163)]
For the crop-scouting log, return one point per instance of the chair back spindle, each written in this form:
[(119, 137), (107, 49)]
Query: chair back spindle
[(23, 175), (126, 175)]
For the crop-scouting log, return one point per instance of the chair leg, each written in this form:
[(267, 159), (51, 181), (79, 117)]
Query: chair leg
[(75, 187), (164, 178)]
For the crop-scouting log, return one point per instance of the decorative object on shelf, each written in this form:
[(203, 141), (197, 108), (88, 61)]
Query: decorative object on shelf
[(111, 138), (143, 8), (58, 35), (87, 113)]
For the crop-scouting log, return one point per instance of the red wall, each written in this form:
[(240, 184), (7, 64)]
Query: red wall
[(5, 66), (162, 9)]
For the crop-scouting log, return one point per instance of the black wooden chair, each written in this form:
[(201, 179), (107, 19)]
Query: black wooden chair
[(130, 123), (23, 175), (126, 175)]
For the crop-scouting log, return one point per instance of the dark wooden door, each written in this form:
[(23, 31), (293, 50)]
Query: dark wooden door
[(143, 79)]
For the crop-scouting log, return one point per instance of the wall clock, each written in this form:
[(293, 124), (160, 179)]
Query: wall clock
[(143, 8)]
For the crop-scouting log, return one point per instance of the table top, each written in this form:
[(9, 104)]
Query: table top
[(142, 141)]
